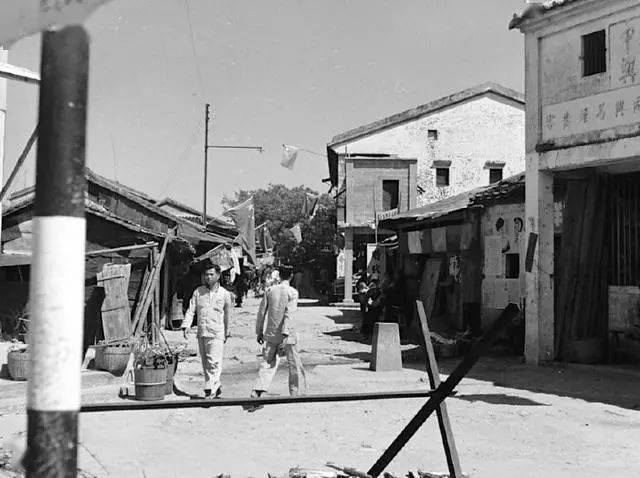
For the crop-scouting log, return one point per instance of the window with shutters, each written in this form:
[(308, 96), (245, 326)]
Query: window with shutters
[(594, 53)]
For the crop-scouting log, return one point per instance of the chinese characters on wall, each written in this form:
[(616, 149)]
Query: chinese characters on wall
[(619, 106)]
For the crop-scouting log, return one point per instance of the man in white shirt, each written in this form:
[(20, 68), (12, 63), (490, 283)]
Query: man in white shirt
[(275, 332), (212, 304)]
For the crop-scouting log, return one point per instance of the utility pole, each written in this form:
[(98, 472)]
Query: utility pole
[(3, 114), (208, 146), (206, 161), (57, 275)]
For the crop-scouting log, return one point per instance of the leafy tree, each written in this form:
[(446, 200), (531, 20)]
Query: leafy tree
[(281, 208)]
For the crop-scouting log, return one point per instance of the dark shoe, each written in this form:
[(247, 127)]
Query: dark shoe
[(253, 408), (207, 392), (218, 392)]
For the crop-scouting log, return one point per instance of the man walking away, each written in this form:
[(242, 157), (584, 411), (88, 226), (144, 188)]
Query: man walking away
[(276, 333), (212, 304)]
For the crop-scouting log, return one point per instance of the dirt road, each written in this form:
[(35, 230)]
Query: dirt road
[(509, 419)]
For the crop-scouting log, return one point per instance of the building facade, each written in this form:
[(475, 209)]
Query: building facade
[(373, 187), (463, 141), (582, 83), (466, 140)]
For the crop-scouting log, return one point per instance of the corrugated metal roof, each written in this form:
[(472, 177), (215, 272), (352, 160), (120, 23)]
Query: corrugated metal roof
[(425, 109), (479, 196), (536, 9)]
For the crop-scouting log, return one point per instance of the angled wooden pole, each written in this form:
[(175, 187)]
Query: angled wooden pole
[(448, 443), (444, 390)]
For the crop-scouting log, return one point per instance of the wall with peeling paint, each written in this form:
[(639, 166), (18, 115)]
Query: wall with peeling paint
[(498, 290), (484, 129), (578, 109)]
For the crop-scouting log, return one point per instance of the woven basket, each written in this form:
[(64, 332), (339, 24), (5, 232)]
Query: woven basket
[(18, 364), (112, 358)]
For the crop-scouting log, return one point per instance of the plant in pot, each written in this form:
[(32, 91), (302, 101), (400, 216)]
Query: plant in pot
[(150, 371)]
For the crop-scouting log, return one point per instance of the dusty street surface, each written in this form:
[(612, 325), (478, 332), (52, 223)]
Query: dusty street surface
[(508, 419)]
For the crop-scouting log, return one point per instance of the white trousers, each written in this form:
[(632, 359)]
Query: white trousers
[(270, 363), (211, 351)]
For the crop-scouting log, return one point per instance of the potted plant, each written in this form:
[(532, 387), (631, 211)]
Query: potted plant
[(150, 371)]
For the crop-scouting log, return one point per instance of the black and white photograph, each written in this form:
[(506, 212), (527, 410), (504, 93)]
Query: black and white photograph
[(319, 239)]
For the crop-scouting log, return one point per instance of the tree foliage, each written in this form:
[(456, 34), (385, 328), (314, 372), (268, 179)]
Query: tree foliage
[(281, 207)]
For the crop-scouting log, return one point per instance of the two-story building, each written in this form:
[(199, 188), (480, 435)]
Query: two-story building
[(460, 142), (582, 83)]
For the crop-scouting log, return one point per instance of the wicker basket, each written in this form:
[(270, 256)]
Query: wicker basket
[(112, 358), (18, 364)]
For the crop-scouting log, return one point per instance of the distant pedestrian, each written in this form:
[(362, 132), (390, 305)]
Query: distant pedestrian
[(375, 305), (362, 288), (211, 303), (275, 331), (296, 283)]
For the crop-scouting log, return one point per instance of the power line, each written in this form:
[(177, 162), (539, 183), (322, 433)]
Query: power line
[(185, 155), (193, 47)]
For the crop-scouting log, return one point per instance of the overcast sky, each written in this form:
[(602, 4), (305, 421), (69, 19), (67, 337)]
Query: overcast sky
[(275, 71)]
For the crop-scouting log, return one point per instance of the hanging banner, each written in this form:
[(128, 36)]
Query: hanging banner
[(21, 18)]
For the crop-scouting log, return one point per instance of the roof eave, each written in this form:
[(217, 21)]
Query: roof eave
[(425, 110)]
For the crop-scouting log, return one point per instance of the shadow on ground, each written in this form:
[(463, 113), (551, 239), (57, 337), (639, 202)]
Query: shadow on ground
[(500, 399), (593, 384)]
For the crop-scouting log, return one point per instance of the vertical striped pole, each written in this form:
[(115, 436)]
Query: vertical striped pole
[(56, 293)]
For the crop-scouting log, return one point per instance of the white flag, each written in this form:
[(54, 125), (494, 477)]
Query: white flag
[(297, 233), (20, 18), (289, 155)]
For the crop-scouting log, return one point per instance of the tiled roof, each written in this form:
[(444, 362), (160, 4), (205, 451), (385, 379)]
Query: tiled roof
[(194, 232), (425, 109), (485, 195), (536, 9)]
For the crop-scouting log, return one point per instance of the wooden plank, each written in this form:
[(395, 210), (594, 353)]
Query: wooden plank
[(164, 316), (115, 311), (155, 315), (145, 298), (429, 282), (448, 442), (134, 247)]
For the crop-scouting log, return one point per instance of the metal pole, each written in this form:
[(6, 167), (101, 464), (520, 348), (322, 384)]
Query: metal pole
[(206, 158), (3, 113), (57, 275), (375, 214), (234, 402)]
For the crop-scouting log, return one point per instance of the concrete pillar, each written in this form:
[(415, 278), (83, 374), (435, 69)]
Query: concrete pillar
[(348, 265), (4, 55), (539, 319)]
